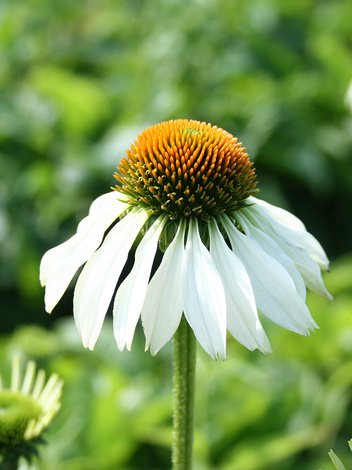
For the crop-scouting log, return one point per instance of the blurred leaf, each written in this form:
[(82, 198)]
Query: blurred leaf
[(266, 451), (80, 100)]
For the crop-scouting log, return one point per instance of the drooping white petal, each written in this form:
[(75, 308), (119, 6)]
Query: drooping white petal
[(242, 316), (98, 279), (130, 295), (311, 274), (274, 290), (289, 225), (308, 268), (59, 265), (306, 265), (203, 295), (272, 248), (162, 308)]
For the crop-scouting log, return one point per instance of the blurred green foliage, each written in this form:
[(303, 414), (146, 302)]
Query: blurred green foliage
[(78, 82)]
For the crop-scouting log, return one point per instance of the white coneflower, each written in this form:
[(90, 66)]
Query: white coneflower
[(28, 406), (188, 188)]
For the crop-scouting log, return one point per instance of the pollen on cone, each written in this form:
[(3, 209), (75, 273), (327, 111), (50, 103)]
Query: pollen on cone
[(186, 168)]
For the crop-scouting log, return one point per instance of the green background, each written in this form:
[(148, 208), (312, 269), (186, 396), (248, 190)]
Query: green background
[(78, 81)]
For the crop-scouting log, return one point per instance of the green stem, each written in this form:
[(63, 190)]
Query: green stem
[(184, 374), (9, 462)]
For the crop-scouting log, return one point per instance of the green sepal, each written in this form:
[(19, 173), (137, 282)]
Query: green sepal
[(167, 235), (10, 454)]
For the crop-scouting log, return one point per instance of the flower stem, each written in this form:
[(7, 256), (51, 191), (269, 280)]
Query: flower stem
[(9, 462), (184, 374)]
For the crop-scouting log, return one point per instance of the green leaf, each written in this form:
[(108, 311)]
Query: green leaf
[(80, 100)]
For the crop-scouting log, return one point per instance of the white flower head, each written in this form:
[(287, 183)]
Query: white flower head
[(187, 188), (28, 406)]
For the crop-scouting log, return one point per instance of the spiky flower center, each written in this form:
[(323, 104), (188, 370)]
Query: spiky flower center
[(186, 168), (16, 411)]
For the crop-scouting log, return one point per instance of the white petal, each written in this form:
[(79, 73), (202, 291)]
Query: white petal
[(242, 316), (312, 275), (308, 268), (203, 295), (272, 248), (274, 290), (162, 308), (288, 224), (130, 295), (98, 279), (59, 265)]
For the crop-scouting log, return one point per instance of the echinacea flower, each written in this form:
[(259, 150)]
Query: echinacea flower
[(27, 407), (188, 188)]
